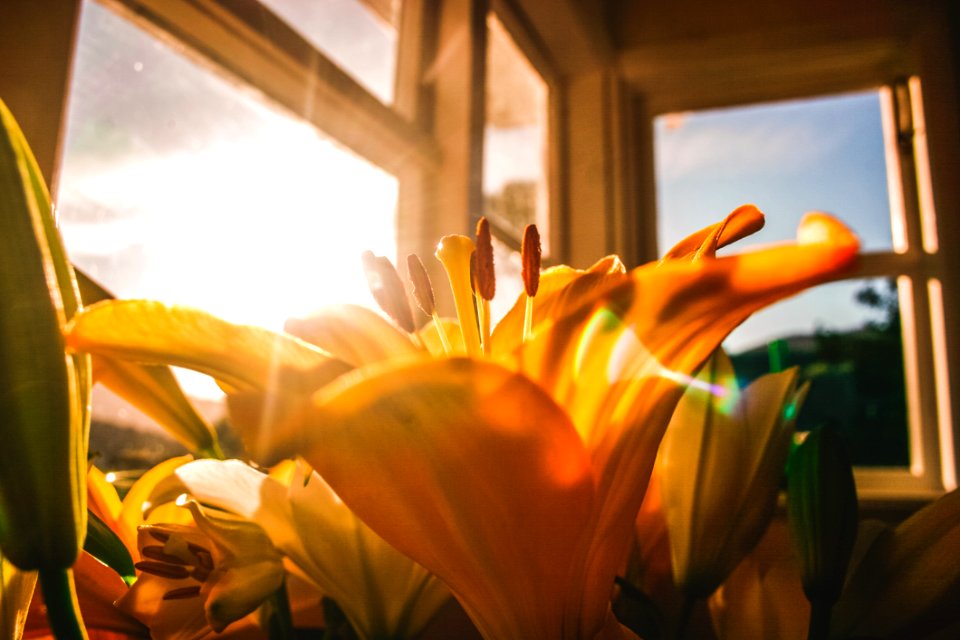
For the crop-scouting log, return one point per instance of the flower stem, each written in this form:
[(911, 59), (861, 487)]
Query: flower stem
[(275, 615), (819, 620), (686, 613), (63, 610)]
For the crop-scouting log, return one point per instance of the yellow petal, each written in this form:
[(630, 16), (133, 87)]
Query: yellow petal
[(244, 357), (908, 583), (763, 597), (102, 497), (619, 361), (740, 223), (155, 391), (136, 501), (722, 462), (430, 335), (382, 592), (354, 334), (240, 591), (561, 289), (467, 468)]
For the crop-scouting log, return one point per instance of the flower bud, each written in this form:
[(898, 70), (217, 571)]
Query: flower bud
[(822, 511)]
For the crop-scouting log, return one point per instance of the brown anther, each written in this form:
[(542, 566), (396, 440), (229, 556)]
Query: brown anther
[(163, 569), (387, 290), (203, 556), (486, 281), (422, 288), (531, 257), (200, 574), (156, 534), (156, 552), (182, 593)]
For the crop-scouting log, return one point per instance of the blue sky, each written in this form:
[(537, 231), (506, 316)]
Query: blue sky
[(787, 158)]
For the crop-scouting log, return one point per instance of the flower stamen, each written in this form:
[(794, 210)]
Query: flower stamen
[(423, 296), (485, 281), (388, 290), (157, 535), (182, 593), (530, 256), (163, 569), (156, 552)]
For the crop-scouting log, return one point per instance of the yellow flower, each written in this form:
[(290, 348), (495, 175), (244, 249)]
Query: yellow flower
[(194, 579), (723, 460), (382, 592), (514, 473)]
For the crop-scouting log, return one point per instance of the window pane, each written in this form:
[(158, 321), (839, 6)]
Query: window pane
[(822, 154), (359, 35), (515, 138), (846, 339), (509, 269), (788, 158), (180, 186)]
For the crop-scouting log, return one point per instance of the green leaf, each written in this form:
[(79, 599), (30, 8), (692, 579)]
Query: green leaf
[(104, 545)]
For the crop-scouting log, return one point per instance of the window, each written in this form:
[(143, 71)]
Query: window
[(182, 182), (515, 147), (864, 343), (358, 35)]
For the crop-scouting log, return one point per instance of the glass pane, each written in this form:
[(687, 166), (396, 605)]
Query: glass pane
[(180, 186), (509, 269), (846, 339), (515, 138), (822, 154), (358, 35), (788, 158)]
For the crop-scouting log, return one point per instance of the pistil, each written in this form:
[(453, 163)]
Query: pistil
[(454, 253)]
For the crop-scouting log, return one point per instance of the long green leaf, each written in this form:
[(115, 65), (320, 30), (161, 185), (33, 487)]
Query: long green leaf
[(104, 545)]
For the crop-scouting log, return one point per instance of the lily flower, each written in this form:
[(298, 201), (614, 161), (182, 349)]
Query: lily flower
[(513, 473), (382, 592), (723, 459), (197, 579)]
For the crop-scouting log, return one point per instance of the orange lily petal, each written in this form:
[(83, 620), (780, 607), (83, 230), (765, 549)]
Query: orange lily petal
[(98, 587), (136, 502), (102, 497), (740, 223), (444, 459), (642, 339), (354, 334), (561, 288), (244, 357), (155, 391)]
